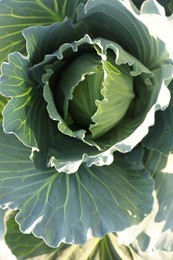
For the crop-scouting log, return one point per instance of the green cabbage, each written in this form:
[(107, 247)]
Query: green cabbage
[(86, 131)]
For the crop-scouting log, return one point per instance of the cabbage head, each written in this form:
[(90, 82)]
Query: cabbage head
[(86, 122)]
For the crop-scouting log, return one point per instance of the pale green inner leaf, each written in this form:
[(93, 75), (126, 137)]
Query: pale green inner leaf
[(83, 106), (118, 94), (80, 86), (96, 97)]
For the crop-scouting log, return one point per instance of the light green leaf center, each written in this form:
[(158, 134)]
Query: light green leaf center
[(118, 94), (97, 93), (83, 106)]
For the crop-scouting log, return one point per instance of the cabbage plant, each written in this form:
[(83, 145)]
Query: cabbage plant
[(86, 106)]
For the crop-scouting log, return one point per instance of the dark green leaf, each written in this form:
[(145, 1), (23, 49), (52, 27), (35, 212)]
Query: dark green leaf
[(23, 245), (26, 246), (73, 208), (17, 15), (103, 17), (160, 135), (25, 114), (46, 40)]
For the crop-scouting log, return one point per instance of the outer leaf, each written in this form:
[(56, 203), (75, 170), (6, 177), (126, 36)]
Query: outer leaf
[(67, 8), (161, 168), (164, 3), (67, 154), (26, 246), (155, 233), (137, 38), (23, 245), (17, 15), (25, 114), (160, 135), (159, 25), (73, 208), (43, 42)]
